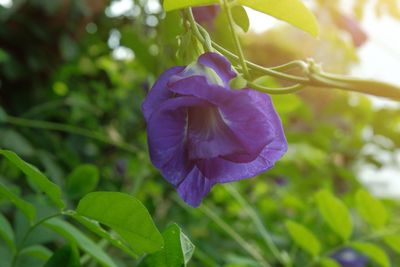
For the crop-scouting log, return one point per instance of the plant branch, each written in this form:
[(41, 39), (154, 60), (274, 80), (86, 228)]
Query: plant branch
[(228, 11)]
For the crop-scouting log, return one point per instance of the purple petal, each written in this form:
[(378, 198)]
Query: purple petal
[(159, 92), (220, 170), (219, 64), (209, 136), (194, 187), (227, 169), (248, 125), (167, 138)]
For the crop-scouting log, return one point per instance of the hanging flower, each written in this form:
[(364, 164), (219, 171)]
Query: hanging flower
[(206, 14), (201, 132), (348, 257)]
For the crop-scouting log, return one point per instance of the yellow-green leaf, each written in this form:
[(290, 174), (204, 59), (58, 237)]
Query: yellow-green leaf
[(170, 5), (291, 11), (335, 214), (304, 238), (327, 262), (373, 252), (393, 241), (371, 209)]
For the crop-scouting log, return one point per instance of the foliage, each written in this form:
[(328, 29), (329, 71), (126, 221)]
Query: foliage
[(76, 182)]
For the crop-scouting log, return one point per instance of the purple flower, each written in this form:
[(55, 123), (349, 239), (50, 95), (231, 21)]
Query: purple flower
[(201, 132), (206, 14), (348, 257)]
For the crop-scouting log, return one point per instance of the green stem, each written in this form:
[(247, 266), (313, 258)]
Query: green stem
[(69, 129), (276, 91), (25, 237), (257, 223), (320, 78), (370, 87), (236, 40), (263, 70), (205, 40)]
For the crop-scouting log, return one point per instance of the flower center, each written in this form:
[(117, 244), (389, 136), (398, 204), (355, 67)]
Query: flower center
[(208, 134)]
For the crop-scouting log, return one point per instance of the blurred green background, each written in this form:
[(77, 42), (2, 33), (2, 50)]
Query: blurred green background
[(73, 75)]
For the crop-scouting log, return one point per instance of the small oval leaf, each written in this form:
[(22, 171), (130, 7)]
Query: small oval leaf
[(82, 180), (241, 18), (393, 242), (126, 216), (335, 214), (371, 209), (327, 262), (304, 238), (374, 252), (176, 253)]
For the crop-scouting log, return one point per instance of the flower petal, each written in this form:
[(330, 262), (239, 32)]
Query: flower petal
[(250, 124), (219, 64), (194, 187), (208, 135), (167, 138), (227, 169), (159, 92), (220, 170)]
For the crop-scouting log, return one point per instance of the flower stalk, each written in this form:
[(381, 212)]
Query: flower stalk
[(227, 8), (313, 75)]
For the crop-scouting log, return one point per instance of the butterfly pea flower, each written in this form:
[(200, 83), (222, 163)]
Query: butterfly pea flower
[(348, 257), (202, 133), (206, 14)]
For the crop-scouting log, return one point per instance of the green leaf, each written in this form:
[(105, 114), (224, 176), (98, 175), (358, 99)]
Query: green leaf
[(187, 247), (12, 140), (95, 227), (327, 262), (36, 177), (126, 216), (393, 242), (82, 180), (37, 251), (6, 233), (374, 252), (66, 256), (241, 18), (371, 209), (291, 11), (335, 214), (176, 247), (304, 238), (27, 208), (72, 234), (170, 5)]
